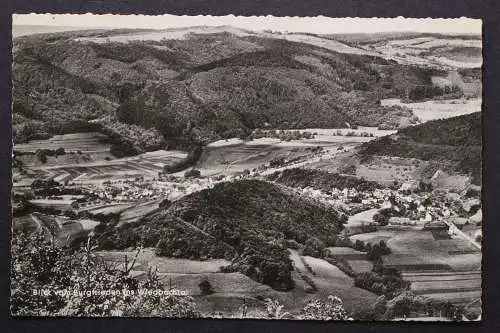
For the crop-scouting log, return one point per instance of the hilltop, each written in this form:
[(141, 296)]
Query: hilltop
[(456, 140), (200, 85), (249, 222)]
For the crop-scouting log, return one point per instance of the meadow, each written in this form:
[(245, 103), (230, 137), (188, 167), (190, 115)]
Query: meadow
[(439, 109)]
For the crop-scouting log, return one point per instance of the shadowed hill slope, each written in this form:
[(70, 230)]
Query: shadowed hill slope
[(199, 88), (457, 140), (321, 180)]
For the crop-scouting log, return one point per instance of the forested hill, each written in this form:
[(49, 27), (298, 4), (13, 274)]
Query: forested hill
[(251, 222), (198, 88), (457, 139)]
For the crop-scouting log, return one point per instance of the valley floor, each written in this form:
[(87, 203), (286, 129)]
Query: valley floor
[(444, 269)]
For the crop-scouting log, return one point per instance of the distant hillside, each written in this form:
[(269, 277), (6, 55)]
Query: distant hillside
[(199, 87), (359, 38), (442, 51), (248, 221), (457, 140)]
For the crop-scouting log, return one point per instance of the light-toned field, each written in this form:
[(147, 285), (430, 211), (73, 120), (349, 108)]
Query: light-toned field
[(329, 280), (137, 211), (158, 35), (61, 204), (362, 218), (419, 251), (230, 289), (434, 268), (424, 242), (227, 284), (346, 253), (234, 155), (431, 51), (428, 287), (374, 237), (147, 258), (361, 266), (431, 110), (108, 208)]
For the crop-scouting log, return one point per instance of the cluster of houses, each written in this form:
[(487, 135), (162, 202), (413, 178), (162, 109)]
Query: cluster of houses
[(407, 207)]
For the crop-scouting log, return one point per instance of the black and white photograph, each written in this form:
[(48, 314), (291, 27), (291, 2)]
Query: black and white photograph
[(230, 167)]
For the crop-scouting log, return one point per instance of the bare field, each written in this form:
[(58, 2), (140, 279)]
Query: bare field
[(460, 297), (363, 218), (134, 213), (432, 110), (96, 172), (147, 258), (346, 253), (418, 250), (374, 237), (361, 266), (84, 142)]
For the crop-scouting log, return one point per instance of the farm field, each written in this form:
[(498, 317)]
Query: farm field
[(135, 212), (417, 250), (387, 170), (145, 165), (87, 160), (346, 253), (362, 218), (444, 269), (374, 237), (63, 203), (361, 266), (62, 230), (431, 110), (234, 155), (463, 288), (147, 258), (83, 142)]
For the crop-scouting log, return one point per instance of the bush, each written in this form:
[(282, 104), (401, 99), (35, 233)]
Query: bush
[(313, 247), (123, 148), (39, 265), (389, 283), (332, 309), (382, 217), (41, 155), (60, 151), (205, 287), (193, 156)]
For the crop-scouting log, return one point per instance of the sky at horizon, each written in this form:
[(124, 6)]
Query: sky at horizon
[(319, 24)]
